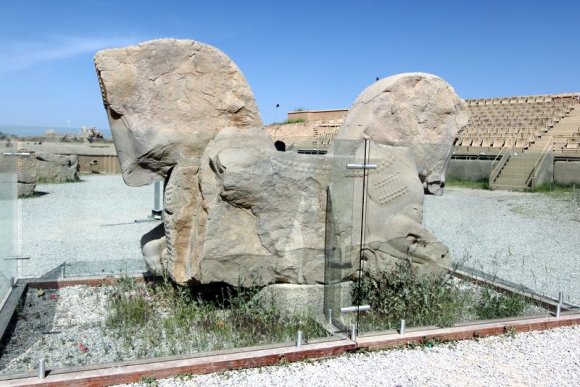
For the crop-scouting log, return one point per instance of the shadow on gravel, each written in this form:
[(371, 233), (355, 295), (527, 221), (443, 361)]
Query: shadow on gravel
[(34, 320), (55, 273), (35, 194)]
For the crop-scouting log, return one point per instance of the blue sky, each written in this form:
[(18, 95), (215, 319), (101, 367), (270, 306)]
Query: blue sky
[(299, 54)]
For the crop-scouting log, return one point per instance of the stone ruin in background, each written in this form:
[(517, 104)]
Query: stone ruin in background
[(238, 210), (44, 167)]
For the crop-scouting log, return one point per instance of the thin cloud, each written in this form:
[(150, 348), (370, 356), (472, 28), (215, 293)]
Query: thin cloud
[(17, 56)]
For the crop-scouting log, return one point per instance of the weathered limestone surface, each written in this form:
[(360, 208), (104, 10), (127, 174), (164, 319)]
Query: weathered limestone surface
[(415, 109), (260, 219), (265, 211), (56, 168), (394, 207), (166, 99), (25, 189), (236, 210), (45, 168), (262, 215), (26, 175)]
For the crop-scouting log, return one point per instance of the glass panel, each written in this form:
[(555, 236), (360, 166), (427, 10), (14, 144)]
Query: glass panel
[(93, 228), (527, 240), (343, 227), (512, 252), (84, 228), (8, 212)]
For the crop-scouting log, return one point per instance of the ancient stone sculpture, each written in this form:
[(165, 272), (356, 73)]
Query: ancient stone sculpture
[(417, 110), (235, 208), (166, 99)]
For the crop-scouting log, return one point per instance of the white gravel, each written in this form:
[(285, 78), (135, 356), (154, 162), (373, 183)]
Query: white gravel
[(65, 327), (532, 239), (546, 358), (529, 239), (89, 225), (525, 238)]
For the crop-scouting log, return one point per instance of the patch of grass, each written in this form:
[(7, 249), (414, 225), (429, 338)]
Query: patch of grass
[(427, 300), (559, 191), (496, 305), (128, 309), (161, 319), (479, 184), (553, 187), (149, 381), (290, 121), (510, 331), (402, 294), (42, 180)]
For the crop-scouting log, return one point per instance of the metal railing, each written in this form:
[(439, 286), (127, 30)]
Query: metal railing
[(504, 155), (540, 162)]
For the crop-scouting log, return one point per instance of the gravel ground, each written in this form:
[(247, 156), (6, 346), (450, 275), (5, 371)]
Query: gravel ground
[(90, 225), (8, 214), (525, 238), (530, 239), (546, 358), (67, 327), (64, 327)]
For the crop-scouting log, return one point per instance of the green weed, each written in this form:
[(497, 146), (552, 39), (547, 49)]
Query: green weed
[(479, 184), (496, 305), (149, 381), (42, 180), (161, 319), (510, 331), (423, 300), (554, 188), (402, 294), (290, 121)]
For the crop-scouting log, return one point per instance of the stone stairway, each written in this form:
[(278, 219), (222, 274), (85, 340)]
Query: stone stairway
[(518, 168), (515, 173)]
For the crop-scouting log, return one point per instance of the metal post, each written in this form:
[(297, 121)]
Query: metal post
[(299, 339), (559, 307), (330, 316), (353, 332), (402, 328), (157, 207), (365, 167), (41, 369), (355, 308)]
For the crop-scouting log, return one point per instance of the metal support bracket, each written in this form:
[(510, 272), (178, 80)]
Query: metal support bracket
[(355, 308), (16, 154), (361, 166), (15, 258)]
